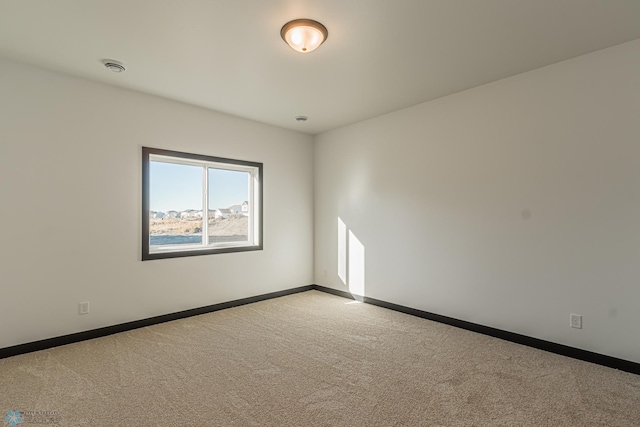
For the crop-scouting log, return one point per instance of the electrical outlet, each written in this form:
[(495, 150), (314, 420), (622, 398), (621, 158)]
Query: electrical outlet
[(83, 307), (325, 273), (575, 321)]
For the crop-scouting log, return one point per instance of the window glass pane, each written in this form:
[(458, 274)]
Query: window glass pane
[(228, 206), (175, 216)]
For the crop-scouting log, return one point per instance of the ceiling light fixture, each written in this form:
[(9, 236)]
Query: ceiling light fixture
[(304, 35), (115, 66)]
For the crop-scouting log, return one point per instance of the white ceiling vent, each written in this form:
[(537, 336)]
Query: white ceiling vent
[(115, 66)]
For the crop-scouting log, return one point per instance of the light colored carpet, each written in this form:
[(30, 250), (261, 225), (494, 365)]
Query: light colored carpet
[(313, 359)]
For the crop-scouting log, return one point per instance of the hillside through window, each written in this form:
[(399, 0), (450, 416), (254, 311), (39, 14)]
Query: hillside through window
[(198, 205)]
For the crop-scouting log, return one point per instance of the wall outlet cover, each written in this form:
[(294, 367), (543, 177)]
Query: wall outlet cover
[(575, 321), (83, 307)]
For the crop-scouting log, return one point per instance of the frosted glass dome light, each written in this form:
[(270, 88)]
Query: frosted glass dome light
[(304, 35)]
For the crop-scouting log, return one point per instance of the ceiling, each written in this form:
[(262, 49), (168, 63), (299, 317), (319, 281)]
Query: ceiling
[(380, 56)]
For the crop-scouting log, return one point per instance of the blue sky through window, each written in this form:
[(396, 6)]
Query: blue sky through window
[(227, 188), (179, 187)]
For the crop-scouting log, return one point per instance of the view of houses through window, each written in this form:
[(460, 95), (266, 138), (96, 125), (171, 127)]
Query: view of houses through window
[(173, 227)]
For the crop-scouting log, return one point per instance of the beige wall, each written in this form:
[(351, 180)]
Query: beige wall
[(70, 191), (509, 205)]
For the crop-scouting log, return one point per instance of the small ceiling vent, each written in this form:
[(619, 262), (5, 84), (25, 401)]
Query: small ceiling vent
[(115, 66)]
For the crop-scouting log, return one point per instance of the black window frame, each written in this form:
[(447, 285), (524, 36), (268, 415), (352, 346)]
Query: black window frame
[(146, 205)]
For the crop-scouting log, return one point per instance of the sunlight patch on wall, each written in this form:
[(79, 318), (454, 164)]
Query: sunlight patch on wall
[(351, 260), (342, 251), (356, 265)]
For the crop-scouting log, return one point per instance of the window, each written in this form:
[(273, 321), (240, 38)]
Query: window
[(199, 205)]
